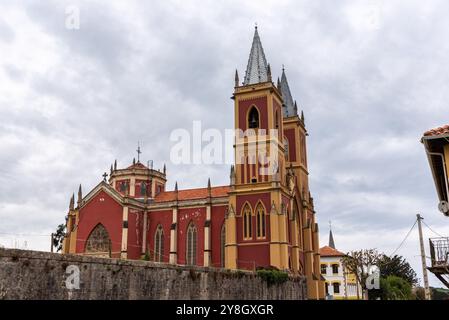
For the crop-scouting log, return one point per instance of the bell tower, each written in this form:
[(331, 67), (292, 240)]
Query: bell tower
[(257, 221)]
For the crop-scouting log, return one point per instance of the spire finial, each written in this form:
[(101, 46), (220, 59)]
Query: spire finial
[(176, 186), (138, 151), (165, 168), (72, 202), (134, 161), (115, 164), (80, 195), (269, 73), (208, 184), (236, 78), (283, 68), (255, 25), (302, 115), (105, 175)]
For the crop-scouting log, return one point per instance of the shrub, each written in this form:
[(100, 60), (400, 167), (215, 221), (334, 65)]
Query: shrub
[(272, 276)]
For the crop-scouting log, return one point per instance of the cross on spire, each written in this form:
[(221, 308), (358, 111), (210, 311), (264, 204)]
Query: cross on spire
[(105, 175), (138, 152)]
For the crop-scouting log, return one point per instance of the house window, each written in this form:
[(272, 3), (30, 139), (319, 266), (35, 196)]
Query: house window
[(336, 286), (247, 222), (98, 241), (323, 269), (335, 268), (159, 244), (253, 118), (143, 189), (260, 218), (191, 245)]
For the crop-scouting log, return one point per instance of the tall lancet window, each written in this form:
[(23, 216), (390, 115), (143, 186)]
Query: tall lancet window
[(260, 218), (192, 234), (98, 242), (286, 149), (253, 118), (159, 244), (223, 244), (247, 222)]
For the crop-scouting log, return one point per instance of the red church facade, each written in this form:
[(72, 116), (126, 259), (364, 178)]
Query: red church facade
[(261, 219)]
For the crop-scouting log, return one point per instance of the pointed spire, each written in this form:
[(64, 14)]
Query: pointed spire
[(232, 175), (165, 169), (115, 164), (295, 108), (257, 68), (236, 78), (208, 184), (80, 195), (269, 73), (134, 161), (176, 190), (331, 237), (288, 106), (112, 170), (279, 84), (72, 202), (302, 116)]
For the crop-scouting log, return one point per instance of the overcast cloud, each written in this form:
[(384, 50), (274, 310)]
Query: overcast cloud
[(371, 77)]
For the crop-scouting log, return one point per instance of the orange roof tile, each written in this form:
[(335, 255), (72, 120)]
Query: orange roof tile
[(437, 131), (327, 251), (191, 194)]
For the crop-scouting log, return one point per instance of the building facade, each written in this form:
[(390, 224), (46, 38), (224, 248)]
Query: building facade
[(264, 218), (339, 282), (436, 145)]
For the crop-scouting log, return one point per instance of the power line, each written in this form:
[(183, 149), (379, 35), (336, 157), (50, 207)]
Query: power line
[(403, 241), (438, 234)]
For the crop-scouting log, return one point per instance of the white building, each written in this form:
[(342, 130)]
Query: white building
[(340, 283)]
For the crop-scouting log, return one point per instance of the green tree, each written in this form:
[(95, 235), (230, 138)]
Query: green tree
[(397, 266), (395, 288), (58, 237)]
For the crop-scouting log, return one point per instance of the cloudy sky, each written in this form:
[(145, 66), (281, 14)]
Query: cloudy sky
[(371, 77)]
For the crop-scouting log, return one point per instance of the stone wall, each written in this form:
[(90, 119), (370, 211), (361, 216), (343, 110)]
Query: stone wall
[(43, 275)]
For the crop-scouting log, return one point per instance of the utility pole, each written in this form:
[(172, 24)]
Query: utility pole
[(423, 259)]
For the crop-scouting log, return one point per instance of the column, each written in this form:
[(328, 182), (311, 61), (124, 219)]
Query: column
[(124, 247), (207, 236), (173, 237)]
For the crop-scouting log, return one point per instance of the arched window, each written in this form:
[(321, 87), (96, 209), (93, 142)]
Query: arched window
[(286, 149), (247, 222), (253, 118), (98, 242), (143, 189), (159, 244), (191, 245), (223, 244), (260, 219)]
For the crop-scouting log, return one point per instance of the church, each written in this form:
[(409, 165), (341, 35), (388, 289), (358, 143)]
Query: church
[(259, 220)]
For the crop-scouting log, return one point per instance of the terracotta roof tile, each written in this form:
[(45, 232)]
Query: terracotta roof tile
[(191, 194), (437, 131), (327, 251)]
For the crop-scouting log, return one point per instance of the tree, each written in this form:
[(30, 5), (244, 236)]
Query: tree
[(58, 237), (360, 263), (397, 266), (395, 288)]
